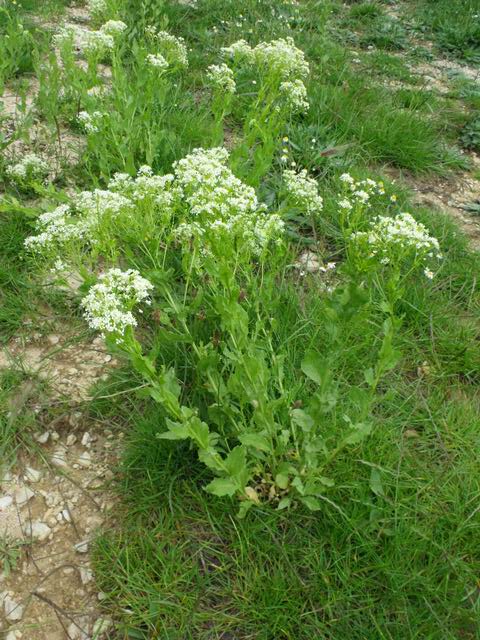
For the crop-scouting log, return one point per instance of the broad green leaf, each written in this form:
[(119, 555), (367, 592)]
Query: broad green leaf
[(369, 376), (376, 482), (244, 508), (255, 440), (302, 418), (312, 503), (281, 480), (359, 433), (284, 503), (236, 461), (176, 431), (199, 432), (313, 366), (328, 482), (221, 487)]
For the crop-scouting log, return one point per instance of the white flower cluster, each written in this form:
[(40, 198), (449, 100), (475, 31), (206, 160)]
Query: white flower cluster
[(221, 78), (238, 51), (295, 94), (109, 303), (157, 61), (304, 190), (114, 27), (97, 8), (398, 237), (31, 168), (222, 207), (91, 122), (203, 199), (173, 49), (90, 43), (56, 228), (282, 67), (279, 57), (359, 192), (78, 221), (101, 203), (147, 188)]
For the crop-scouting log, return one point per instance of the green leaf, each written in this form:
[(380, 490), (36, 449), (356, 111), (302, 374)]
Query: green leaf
[(376, 483), (313, 366), (199, 431), (281, 480), (235, 462), (221, 487), (284, 503), (312, 503), (255, 440), (360, 432), (369, 376), (245, 507), (176, 431), (302, 418), (328, 482)]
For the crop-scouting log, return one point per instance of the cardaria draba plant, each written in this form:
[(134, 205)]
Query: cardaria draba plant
[(273, 73)]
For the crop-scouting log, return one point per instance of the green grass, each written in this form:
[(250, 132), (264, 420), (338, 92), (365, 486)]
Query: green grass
[(453, 26)]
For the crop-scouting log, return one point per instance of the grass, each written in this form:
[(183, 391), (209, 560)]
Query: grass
[(454, 27), (393, 552)]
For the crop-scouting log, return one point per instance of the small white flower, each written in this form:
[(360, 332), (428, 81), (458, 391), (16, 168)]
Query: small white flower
[(156, 60), (221, 77), (109, 303), (304, 190)]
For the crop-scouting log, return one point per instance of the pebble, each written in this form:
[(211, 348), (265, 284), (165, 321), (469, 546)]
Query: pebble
[(14, 634), (32, 475), (76, 632), (86, 575), (5, 502), (84, 459), (42, 438), (86, 439), (71, 440), (53, 340), (38, 530), (13, 610), (23, 495), (66, 515), (58, 457), (81, 547)]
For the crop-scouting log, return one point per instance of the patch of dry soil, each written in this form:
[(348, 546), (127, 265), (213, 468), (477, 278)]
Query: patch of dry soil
[(49, 513)]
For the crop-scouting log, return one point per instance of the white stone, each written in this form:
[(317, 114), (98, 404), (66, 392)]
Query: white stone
[(76, 632), (58, 457), (66, 515), (38, 530), (81, 547), (86, 439), (53, 340), (72, 438), (86, 575), (84, 459), (5, 502), (32, 475), (42, 438), (13, 610), (14, 634), (23, 495)]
